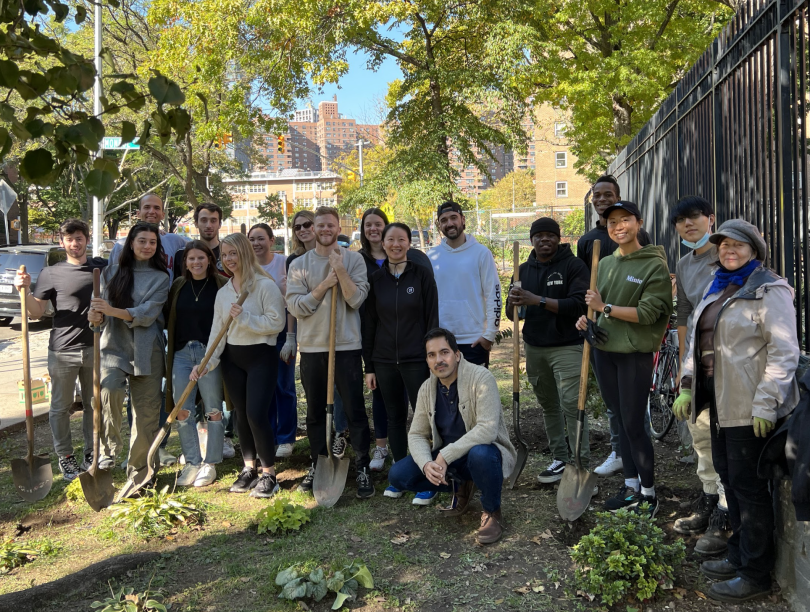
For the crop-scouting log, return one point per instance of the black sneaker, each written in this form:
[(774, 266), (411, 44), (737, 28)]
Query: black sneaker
[(88, 461), (365, 486), (339, 446), (69, 467), (652, 500), (553, 473), (625, 498), (246, 481), (698, 521), (306, 484), (265, 487)]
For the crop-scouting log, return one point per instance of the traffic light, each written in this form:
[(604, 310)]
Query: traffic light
[(351, 176), (281, 143)]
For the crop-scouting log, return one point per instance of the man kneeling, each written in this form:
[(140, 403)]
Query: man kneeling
[(459, 409)]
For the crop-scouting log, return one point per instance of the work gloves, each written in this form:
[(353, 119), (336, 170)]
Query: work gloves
[(288, 350), (594, 335), (682, 406), (762, 427)]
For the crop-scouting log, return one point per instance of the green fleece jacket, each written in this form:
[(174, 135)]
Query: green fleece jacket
[(640, 280)]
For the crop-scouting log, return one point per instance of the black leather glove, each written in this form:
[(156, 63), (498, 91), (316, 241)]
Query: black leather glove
[(594, 335)]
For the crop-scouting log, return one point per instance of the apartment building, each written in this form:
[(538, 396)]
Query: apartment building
[(556, 179)]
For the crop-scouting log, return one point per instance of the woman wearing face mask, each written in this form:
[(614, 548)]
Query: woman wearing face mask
[(131, 312), (249, 359), (402, 306), (741, 358), (634, 302)]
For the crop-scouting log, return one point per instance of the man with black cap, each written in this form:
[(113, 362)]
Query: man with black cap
[(552, 290), (469, 287)]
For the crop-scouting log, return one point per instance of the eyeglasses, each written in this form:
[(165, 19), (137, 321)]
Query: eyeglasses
[(304, 225)]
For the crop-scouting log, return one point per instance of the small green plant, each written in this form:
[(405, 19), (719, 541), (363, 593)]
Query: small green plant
[(155, 512), (344, 583), (127, 600), (14, 554), (73, 492), (624, 555), (281, 516)]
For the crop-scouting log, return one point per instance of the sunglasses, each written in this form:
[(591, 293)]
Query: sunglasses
[(304, 225)]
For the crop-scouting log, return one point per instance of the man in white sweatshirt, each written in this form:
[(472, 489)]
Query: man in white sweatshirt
[(469, 287)]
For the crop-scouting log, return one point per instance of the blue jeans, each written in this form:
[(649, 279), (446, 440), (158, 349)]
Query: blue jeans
[(378, 415), (483, 465), (284, 405), (211, 391)]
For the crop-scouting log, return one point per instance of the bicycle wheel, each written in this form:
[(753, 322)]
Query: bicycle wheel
[(662, 395)]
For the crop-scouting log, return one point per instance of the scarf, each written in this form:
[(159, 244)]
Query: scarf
[(723, 278)]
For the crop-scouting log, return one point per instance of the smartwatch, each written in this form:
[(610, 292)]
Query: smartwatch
[(607, 310), (542, 302)]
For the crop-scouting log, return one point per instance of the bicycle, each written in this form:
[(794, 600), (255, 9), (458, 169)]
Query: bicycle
[(664, 386)]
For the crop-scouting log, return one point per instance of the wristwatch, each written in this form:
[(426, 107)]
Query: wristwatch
[(542, 302), (607, 310)]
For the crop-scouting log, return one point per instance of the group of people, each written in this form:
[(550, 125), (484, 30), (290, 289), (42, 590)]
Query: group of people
[(417, 330)]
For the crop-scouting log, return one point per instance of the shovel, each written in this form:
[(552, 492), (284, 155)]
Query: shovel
[(523, 449), (97, 485), (33, 475), (576, 486), (330, 472), (137, 482)]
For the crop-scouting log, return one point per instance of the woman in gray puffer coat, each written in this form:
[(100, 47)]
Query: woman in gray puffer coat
[(742, 359)]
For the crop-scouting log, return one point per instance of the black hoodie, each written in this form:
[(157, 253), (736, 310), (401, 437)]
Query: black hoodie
[(565, 279), (399, 312)]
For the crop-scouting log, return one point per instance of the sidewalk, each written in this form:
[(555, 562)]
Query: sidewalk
[(12, 412)]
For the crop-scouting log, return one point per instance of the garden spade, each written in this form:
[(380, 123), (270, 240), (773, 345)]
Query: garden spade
[(97, 485), (330, 472), (523, 449), (33, 475), (576, 486), (138, 480)]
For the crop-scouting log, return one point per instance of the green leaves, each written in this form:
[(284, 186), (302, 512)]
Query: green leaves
[(37, 165), (281, 516), (127, 132), (344, 583), (9, 73), (165, 91)]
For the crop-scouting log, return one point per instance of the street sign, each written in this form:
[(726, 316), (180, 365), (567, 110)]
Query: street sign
[(114, 142), (7, 196)]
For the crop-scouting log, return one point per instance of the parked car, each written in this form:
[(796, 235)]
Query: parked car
[(34, 257), (415, 239)]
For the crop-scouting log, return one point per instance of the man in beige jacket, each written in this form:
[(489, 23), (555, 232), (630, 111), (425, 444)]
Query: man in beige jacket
[(458, 439)]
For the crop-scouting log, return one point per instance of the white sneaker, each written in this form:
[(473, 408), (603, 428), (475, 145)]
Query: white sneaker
[(378, 457), (166, 458), (227, 449), (206, 476), (284, 450), (612, 465), (188, 475)]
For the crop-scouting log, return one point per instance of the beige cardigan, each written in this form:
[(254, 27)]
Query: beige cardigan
[(481, 411)]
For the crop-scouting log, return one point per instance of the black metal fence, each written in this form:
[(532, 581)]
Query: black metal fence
[(735, 132)]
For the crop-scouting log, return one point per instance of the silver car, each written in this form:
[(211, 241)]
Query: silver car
[(34, 257)]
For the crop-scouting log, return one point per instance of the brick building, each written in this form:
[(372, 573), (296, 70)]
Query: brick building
[(558, 183)]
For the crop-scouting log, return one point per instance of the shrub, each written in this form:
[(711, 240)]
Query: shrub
[(315, 585), (281, 516), (155, 512), (127, 600), (624, 555), (73, 492), (14, 554)]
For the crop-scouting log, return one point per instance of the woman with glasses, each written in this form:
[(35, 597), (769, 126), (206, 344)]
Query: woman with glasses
[(303, 237)]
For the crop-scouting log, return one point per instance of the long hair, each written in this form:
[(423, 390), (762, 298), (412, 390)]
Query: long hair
[(365, 244), (200, 246), (249, 267), (298, 247), (119, 290)]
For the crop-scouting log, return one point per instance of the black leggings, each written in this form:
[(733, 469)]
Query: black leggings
[(393, 380), (624, 380), (250, 373)]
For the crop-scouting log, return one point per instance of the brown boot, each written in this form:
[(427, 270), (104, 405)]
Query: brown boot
[(491, 527), (461, 500)]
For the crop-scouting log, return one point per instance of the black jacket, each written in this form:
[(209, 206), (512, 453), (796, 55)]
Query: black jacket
[(585, 244), (399, 312), (414, 255), (566, 279)]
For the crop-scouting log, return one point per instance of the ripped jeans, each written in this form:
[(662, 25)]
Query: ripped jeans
[(211, 391)]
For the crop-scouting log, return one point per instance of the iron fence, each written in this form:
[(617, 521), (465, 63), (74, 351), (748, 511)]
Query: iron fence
[(735, 132)]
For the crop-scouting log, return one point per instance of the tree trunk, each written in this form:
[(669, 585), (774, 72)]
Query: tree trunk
[(23, 204), (112, 227), (622, 114), (419, 229)]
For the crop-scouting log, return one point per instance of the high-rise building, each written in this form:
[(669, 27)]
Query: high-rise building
[(307, 115)]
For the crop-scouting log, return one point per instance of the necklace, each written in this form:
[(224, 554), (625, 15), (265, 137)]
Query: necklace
[(197, 295)]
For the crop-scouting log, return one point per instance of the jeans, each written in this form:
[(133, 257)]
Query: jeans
[(210, 387), (378, 415), (64, 367), (397, 383), (483, 465), (475, 354), (284, 405), (554, 373)]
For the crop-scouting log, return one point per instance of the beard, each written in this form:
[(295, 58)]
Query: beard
[(326, 240)]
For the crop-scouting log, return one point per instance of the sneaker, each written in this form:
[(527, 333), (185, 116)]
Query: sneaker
[(365, 486), (284, 450), (625, 498), (181, 459), (698, 521), (393, 492), (648, 499), (88, 461), (166, 458), (378, 457), (306, 484), (228, 451), (107, 463), (425, 498), (714, 541), (69, 467), (553, 473), (246, 481), (612, 465), (188, 475), (339, 445), (124, 463), (206, 476), (265, 487)]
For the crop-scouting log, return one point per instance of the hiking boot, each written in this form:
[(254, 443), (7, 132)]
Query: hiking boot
[(611, 465), (461, 499), (339, 445), (306, 484), (188, 475), (228, 451), (284, 450), (247, 479), (718, 569), (206, 476), (491, 527), (625, 498), (714, 541), (266, 486), (737, 590), (69, 467), (698, 521), (378, 457), (166, 458), (652, 500), (425, 498), (553, 473), (365, 486)]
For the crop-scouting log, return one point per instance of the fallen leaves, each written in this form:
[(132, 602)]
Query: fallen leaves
[(679, 592), (445, 555), (356, 539), (538, 539), (699, 594), (400, 538)]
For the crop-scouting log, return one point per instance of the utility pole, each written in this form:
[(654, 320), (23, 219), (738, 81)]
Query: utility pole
[(98, 218), (360, 145), (513, 192), (286, 228)]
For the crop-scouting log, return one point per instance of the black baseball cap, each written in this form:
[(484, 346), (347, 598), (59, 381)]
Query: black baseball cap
[(623, 205), (448, 206)]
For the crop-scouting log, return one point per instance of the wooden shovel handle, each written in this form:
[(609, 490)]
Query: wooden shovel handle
[(330, 372), (29, 411), (516, 321), (586, 349), (96, 378)]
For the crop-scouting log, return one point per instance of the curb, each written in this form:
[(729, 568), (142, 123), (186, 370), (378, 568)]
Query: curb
[(6, 430)]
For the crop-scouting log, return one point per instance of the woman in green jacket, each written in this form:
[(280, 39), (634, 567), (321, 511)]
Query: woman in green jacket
[(634, 302)]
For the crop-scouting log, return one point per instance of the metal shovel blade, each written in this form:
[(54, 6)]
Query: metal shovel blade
[(330, 480), (98, 488), (32, 480), (575, 492), (523, 449)]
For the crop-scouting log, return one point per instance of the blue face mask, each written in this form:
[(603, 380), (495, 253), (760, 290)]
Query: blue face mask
[(698, 244)]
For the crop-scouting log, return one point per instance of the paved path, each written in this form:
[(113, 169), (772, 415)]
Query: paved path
[(12, 412)]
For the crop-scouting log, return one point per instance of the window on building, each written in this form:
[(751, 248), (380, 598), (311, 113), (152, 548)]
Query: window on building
[(562, 189), (561, 159), (559, 129)]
